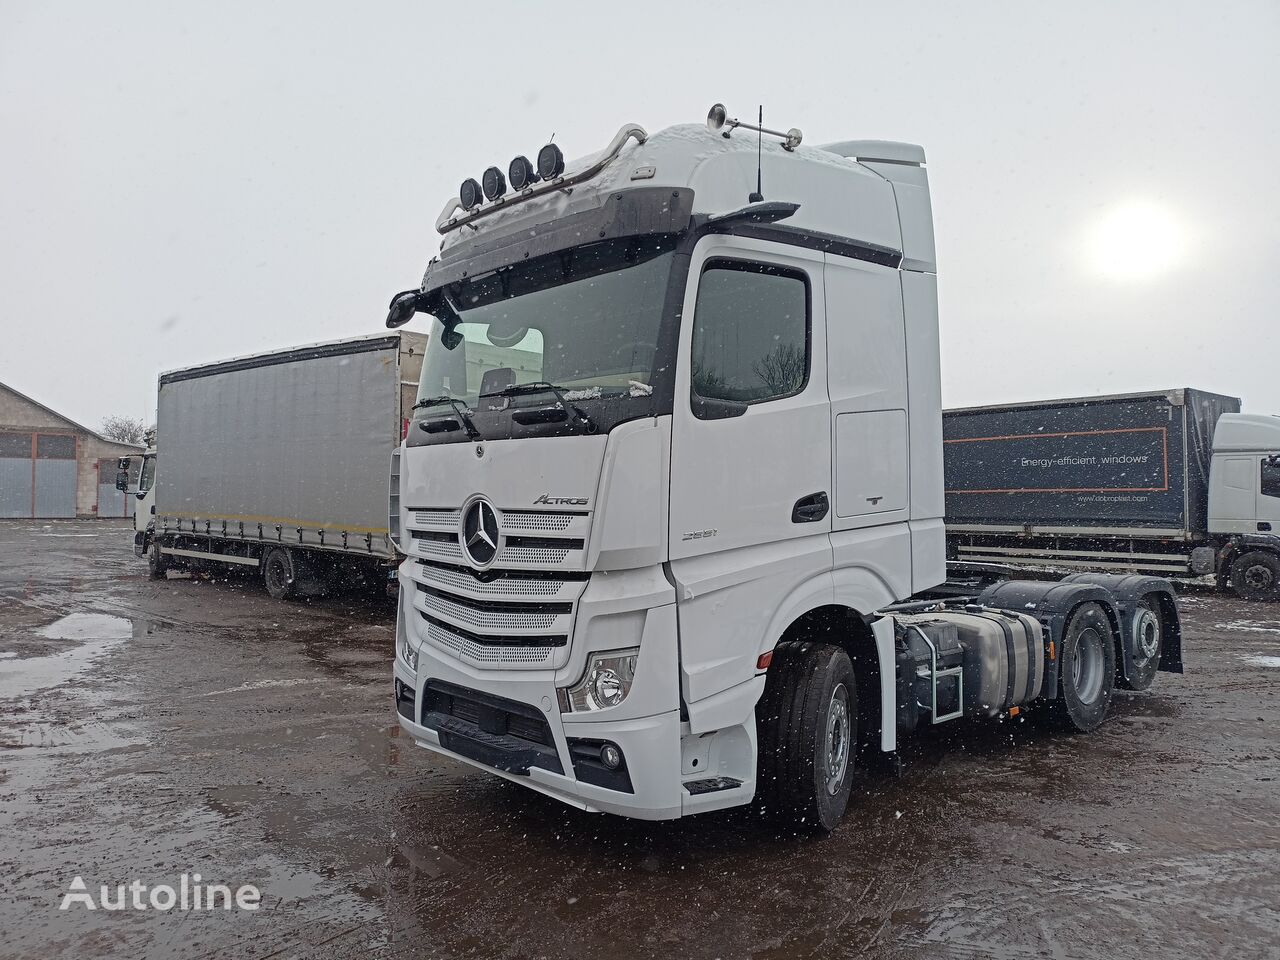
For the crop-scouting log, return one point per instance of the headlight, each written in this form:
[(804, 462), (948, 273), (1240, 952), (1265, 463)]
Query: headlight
[(606, 683), (409, 656)]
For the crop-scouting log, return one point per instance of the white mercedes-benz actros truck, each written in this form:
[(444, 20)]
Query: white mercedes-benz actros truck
[(671, 499)]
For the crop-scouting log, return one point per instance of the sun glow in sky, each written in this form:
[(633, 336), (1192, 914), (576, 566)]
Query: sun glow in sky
[(1137, 240)]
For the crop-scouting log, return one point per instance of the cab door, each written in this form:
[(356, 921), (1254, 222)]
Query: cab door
[(750, 513), (1267, 514)]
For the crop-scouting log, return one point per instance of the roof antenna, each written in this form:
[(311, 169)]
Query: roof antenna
[(758, 196)]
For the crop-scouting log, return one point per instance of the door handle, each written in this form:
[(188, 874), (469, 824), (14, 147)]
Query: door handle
[(811, 509)]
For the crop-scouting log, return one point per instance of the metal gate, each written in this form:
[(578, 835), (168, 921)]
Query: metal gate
[(17, 476), (37, 475), (113, 502)]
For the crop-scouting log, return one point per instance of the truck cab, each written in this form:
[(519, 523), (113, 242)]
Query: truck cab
[(1244, 502), (136, 477), (677, 445)]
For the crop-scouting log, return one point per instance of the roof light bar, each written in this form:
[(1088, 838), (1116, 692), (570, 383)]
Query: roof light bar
[(450, 220)]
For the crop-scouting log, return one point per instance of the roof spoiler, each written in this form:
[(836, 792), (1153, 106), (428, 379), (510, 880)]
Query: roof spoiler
[(879, 151)]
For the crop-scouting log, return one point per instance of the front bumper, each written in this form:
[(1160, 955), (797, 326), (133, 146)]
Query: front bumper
[(508, 721), (506, 742)]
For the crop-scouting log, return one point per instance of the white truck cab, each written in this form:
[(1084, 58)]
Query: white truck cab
[(136, 477), (1244, 501), (677, 446)]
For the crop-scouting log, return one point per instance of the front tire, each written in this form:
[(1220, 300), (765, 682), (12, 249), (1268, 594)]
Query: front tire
[(157, 562), (1256, 576), (1086, 671), (808, 723)]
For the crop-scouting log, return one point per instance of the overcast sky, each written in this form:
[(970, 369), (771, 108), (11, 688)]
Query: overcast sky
[(181, 183)]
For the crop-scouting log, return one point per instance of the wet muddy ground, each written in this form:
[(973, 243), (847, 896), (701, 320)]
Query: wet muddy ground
[(151, 729)]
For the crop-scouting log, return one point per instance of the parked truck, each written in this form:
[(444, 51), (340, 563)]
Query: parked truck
[(1176, 483), (671, 501), (277, 462)]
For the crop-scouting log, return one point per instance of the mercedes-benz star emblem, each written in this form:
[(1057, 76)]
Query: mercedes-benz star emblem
[(480, 532)]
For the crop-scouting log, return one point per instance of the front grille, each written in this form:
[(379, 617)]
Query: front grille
[(437, 519), (490, 615), (519, 613), (492, 651), (525, 584), (529, 521), (543, 555)]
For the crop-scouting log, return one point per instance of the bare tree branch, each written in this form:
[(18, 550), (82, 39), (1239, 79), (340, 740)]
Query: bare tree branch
[(124, 429)]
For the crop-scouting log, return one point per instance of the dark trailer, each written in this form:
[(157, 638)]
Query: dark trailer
[(1111, 483)]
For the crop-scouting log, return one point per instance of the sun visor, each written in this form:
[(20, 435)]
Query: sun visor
[(623, 213)]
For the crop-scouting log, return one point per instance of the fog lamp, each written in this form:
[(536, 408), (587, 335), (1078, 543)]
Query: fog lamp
[(469, 194), (493, 183), (611, 756), (550, 162)]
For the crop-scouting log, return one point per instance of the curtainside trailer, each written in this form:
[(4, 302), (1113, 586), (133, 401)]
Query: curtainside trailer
[(278, 462), (1174, 483)]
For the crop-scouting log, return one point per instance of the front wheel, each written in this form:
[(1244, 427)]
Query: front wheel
[(1256, 576), (808, 725), (157, 563), (1086, 670)]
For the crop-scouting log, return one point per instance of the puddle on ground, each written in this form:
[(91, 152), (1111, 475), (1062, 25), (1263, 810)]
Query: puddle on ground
[(1253, 626), (99, 633), (264, 684), (1262, 660)]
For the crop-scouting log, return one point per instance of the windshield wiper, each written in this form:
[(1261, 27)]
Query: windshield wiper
[(542, 386), (459, 408)]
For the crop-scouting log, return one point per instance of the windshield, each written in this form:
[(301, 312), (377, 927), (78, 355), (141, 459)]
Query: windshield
[(148, 476), (586, 320)]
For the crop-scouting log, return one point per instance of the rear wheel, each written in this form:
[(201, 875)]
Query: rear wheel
[(277, 573), (1256, 576), (1146, 629), (808, 727), (1086, 669)]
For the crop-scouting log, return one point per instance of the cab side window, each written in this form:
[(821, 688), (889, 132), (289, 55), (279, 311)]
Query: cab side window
[(750, 333), (1271, 477)]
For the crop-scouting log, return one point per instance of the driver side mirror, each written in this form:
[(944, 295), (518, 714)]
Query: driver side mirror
[(122, 480), (403, 306)]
